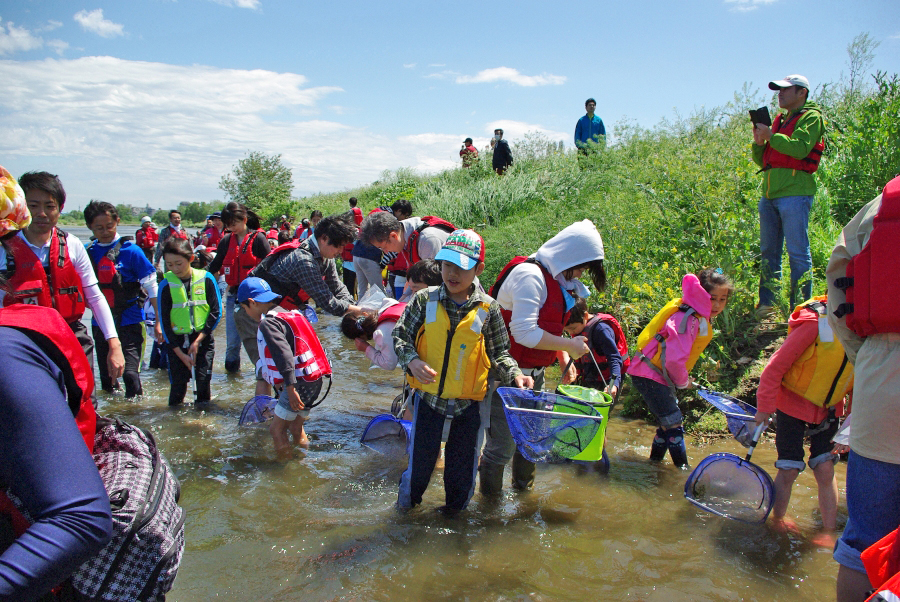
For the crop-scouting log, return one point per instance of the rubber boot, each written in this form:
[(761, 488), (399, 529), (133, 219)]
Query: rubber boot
[(658, 448), (490, 478), (233, 367), (522, 472), (677, 448)]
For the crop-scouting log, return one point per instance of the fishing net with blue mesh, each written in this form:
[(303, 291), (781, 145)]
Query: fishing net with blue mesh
[(548, 427), (739, 415)]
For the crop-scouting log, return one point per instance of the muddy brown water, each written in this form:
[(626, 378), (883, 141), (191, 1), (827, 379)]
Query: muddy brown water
[(323, 526)]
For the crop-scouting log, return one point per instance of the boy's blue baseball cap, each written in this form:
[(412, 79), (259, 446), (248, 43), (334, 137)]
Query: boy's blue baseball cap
[(465, 248), (256, 289)]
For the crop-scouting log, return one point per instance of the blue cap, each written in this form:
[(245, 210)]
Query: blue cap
[(256, 289)]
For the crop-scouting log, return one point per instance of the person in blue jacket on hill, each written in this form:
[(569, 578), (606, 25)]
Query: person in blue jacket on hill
[(589, 128)]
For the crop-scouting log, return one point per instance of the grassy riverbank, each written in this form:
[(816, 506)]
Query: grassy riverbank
[(670, 199)]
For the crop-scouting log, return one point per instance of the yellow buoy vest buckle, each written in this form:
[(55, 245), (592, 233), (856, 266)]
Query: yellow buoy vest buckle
[(458, 354), (822, 374), (188, 315)]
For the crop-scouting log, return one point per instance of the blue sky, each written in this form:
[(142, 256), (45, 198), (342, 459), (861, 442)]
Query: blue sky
[(152, 101)]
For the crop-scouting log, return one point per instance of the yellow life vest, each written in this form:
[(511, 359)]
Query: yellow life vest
[(653, 331), (458, 355), (822, 374), (188, 316)]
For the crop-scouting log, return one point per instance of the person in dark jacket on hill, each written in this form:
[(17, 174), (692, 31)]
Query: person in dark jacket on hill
[(502, 155)]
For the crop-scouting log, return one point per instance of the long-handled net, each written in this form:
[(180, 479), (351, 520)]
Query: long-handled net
[(387, 428), (548, 427), (740, 415), (731, 486)]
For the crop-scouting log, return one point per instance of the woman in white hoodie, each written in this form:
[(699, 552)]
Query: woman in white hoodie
[(536, 294)]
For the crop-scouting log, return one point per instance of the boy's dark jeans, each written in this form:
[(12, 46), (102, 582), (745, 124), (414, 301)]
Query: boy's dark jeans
[(460, 455)]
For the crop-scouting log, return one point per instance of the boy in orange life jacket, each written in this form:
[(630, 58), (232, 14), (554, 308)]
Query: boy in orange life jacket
[(601, 339), (450, 376), (276, 339), (809, 372)]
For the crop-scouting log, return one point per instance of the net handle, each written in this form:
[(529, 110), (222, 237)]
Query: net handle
[(756, 435), (596, 365), (557, 414)]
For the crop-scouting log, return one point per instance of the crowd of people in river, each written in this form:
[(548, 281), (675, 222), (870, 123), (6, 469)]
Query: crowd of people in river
[(455, 340)]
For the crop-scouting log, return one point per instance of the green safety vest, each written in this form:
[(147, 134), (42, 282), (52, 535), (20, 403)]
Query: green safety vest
[(188, 315)]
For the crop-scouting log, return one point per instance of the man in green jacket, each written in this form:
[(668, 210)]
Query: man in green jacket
[(789, 154)]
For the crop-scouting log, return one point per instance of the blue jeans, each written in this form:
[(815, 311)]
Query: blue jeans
[(873, 507), (232, 338), (660, 400), (784, 221)]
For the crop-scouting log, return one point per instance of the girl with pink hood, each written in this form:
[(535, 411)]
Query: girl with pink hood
[(668, 348)]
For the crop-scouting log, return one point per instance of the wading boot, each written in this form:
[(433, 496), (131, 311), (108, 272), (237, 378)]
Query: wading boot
[(490, 478), (677, 448), (233, 367), (658, 448), (522, 472)]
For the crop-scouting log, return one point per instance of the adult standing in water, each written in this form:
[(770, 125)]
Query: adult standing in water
[(173, 230), (788, 153), (52, 268), (536, 295), (239, 251)]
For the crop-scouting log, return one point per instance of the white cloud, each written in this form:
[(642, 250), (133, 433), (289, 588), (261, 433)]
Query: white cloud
[(140, 132), (743, 6), (58, 45), (437, 65), (94, 22), (896, 36), (50, 26), (251, 4), (17, 39), (409, 65), (511, 75)]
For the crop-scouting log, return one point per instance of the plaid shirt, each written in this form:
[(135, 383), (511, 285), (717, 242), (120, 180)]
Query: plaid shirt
[(305, 268), (496, 340)]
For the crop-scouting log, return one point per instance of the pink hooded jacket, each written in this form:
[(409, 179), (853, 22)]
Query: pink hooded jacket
[(678, 345)]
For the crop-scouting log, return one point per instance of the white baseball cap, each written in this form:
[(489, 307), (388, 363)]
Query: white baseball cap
[(790, 80), (145, 219)]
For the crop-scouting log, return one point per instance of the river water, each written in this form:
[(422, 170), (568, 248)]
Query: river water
[(323, 527)]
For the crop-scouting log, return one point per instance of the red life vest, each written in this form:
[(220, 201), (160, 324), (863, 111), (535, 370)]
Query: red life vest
[(552, 317), (173, 233), (585, 362), (272, 233), (310, 361), (213, 238), (882, 563), (772, 158), (291, 299), (49, 331), (31, 284), (357, 215), (392, 313), (411, 249), (239, 262), (119, 295), (398, 265), (146, 239), (871, 283), (380, 209)]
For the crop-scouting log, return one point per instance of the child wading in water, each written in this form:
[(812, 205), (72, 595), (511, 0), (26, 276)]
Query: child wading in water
[(364, 325), (447, 340), (606, 341), (668, 348), (189, 310), (297, 372), (804, 383)]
